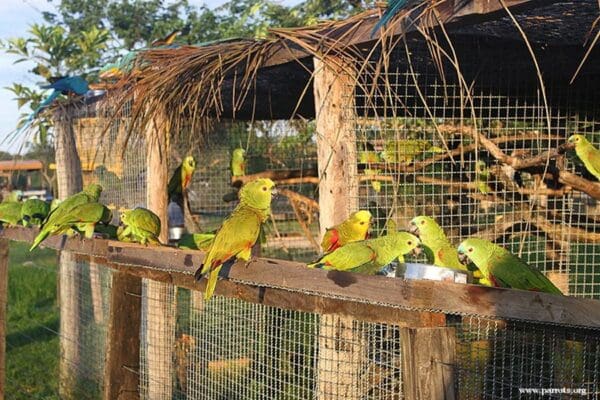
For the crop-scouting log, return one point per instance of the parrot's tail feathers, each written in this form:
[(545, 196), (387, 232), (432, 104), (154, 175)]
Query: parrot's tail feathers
[(199, 274), (393, 8), (211, 283), (39, 239)]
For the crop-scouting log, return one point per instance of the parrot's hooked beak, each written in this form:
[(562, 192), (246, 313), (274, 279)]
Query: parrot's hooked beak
[(417, 251), (413, 228), (463, 258), (274, 193)]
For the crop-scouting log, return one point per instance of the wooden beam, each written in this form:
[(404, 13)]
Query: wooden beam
[(4, 243), (428, 362), (121, 371), (159, 315), (288, 281)]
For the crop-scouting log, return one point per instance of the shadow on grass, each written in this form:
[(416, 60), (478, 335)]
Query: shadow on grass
[(34, 334)]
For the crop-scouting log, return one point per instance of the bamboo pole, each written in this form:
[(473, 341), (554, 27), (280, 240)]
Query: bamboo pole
[(3, 310), (69, 178), (338, 366), (160, 304)]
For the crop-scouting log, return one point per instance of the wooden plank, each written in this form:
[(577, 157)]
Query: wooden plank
[(160, 306), (428, 363), (4, 243), (338, 367), (121, 371), (264, 275)]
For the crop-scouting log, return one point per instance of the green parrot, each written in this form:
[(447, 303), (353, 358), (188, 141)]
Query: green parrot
[(238, 162), (370, 156), (239, 231), (141, 226), (83, 219), (482, 177), (54, 203), (504, 269), (368, 256), (587, 153), (34, 212), (90, 194), (181, 178), (439, 250), (10, 212), (196, 241), (356, 227), (405, 151)]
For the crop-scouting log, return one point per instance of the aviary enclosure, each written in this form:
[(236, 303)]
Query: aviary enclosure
[(326, 111)]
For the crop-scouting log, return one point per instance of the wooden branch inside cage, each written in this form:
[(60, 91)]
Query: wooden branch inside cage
[(288, 176)]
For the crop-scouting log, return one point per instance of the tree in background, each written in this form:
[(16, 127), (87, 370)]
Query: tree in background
[(54, 51)]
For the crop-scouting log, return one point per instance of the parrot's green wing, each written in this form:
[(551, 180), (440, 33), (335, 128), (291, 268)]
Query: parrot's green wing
[(592, 156), (146, 220), (238, 233), (67, 204), (346, 258), (510, 271), (83, 213)]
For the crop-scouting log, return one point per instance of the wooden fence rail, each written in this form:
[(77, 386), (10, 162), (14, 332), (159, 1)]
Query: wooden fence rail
[(291, 285)]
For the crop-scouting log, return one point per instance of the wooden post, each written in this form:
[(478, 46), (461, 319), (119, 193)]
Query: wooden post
[(428, 362), (69, 178), (160, 310), (121, 372), (338, 365), (3, 310), (96, 292)]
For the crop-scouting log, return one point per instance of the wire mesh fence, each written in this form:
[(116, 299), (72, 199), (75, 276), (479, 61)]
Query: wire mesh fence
[(418, 152), (231, 349)]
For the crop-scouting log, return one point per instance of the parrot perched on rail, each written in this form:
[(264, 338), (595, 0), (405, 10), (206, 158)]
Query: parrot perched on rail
[(239, 231), (140, 225), (406, 150), (368, 256), (34, 212), (10, 212), (82, 219), (181, 178), (196, 241), (587, 153), (356, 227), (504, 269), (437, 246), (89, 194), (238, 162), (370, 156)]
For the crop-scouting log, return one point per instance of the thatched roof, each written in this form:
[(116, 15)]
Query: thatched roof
[(271, 79)]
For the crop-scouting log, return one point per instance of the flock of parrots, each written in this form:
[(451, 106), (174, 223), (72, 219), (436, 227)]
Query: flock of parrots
[(345, 246)]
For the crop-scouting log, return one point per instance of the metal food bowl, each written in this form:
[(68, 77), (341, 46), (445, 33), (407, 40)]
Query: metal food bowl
[(430, 272), (175, 233)]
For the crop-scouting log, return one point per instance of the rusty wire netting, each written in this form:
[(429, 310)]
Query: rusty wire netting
[(418, 154), (282, 149), (231, 349)]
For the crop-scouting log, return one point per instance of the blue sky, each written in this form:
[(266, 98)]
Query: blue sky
[(15, 18)]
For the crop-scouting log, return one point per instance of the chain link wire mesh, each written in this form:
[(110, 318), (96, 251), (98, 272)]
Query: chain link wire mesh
[(416, 130)]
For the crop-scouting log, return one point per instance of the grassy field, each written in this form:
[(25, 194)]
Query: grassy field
[(33, 320)]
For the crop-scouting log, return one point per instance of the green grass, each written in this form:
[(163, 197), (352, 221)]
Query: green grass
[(33, 318)]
